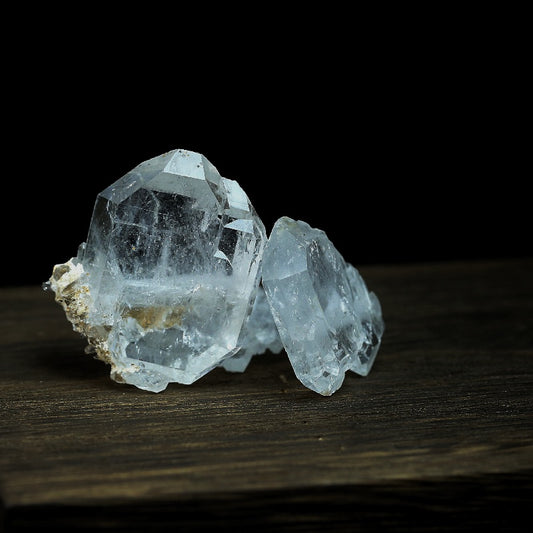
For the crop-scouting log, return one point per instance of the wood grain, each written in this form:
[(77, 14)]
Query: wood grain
[(439, 435)]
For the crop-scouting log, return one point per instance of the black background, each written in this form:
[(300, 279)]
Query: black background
[(403, 133), (403, 146)]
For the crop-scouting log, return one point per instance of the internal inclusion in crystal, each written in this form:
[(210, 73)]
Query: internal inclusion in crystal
[(171, 260)]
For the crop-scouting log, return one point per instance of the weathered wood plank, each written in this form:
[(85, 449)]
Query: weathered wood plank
[(445, 416)]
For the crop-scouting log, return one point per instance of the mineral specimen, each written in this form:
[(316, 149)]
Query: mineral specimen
[(166, 280), (167, 286), (327, 320)]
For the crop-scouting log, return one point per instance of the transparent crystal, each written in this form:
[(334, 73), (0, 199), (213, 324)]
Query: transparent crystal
[(327, 320), (170, 269)]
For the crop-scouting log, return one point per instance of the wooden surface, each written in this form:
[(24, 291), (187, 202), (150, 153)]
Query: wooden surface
[(439, 435)]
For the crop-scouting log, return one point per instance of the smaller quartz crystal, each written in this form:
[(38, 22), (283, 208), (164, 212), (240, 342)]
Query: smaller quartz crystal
[(327, 320)]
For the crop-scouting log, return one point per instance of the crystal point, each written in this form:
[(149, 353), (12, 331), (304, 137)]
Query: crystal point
[(327, 320), (164, 284)]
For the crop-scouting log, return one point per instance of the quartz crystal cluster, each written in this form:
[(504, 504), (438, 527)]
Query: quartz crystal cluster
[(167, 286)]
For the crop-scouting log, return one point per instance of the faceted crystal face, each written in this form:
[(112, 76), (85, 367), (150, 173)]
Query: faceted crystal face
[(327, 320), (172, 259)]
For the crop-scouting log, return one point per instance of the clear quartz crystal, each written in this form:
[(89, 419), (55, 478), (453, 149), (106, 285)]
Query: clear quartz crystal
[(167, 277), (327, 320)]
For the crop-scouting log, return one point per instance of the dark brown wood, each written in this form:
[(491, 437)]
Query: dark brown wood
[(438, 436)]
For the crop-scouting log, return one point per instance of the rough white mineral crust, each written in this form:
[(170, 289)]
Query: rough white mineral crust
[(165, 282), (258, 335), (327, 320)]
